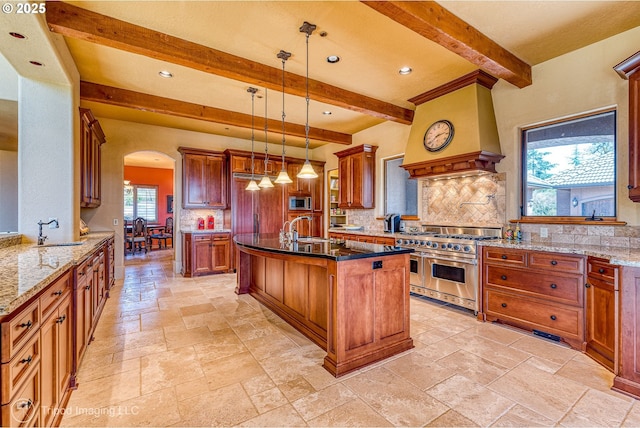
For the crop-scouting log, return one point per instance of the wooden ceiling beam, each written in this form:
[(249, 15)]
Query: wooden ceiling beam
[(75, 22), (145, 102), (437, 24)]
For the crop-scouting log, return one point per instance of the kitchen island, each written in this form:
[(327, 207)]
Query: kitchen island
[(350, 298)]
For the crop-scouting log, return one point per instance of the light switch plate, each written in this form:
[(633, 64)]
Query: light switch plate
[(115, 221)]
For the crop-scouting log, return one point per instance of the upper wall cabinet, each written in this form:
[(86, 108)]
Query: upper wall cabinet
[(357, 176), (91, 138), (204, 179), (629, 69)]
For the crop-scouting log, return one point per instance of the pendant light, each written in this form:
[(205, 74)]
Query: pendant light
[(283, 177), (266, 181), (307, 170), (252, 184)]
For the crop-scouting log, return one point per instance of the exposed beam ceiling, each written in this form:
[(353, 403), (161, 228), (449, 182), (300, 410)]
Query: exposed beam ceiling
[(437, 24), (72, 21), (144, 102)]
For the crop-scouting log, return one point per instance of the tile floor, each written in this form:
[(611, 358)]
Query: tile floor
[(174, 351)]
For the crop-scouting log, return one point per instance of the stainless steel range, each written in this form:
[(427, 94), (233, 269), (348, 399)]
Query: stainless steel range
[(445, 264)]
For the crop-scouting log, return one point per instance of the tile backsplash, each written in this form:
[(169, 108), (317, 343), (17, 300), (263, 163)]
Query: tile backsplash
[(189, 218)]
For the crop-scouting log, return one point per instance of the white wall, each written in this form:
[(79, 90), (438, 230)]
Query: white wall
[(578, 82), (8, 191)]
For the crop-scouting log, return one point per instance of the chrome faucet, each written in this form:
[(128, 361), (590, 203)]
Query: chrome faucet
[(293, 233), (42, 238)]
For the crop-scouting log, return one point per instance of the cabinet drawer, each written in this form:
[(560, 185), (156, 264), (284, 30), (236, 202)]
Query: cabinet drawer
[(54, 294), (19, 368), (25, 404), (566, 289), (19, 330), (505, 255), (221, 237), (549, 317), (601, 269), (556, 262), (201, 237)]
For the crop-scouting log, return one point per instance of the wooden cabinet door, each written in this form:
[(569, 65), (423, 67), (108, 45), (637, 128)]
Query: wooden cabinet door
[(317, 188), (300, 186), (96, 170), (600, 330), (202, 257), (64, 347), (220, 253), (216, 182), (345, 179), (194, 181), (48, 369), (85, 163)]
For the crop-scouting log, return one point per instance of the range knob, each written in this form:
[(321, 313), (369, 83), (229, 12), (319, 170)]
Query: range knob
[(406, 242), (449, 245), (456, 247), (423, 243), (466, 249), (398, 241), (443, 246), (428, 244), (411, 241)]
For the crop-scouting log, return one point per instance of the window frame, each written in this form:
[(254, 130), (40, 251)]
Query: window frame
[(135, 188), (403, 216), (523, 169)]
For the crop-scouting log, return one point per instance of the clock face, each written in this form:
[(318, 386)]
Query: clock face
[(438, 135)]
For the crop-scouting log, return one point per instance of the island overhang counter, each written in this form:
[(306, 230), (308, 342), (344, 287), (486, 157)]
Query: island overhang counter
[(350, 298)]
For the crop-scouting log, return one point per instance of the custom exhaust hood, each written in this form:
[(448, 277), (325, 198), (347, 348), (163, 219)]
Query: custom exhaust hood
[(466, 105)]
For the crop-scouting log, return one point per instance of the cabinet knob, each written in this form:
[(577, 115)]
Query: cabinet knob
[(27, 360), (26, 325), (87, 287), (24, 404), (629, 187), (57, 293), (554, 286), (587, 285), (553, 262), (553, 317), (600, 270), (504, 257), (504, 305), (61, 319), (503, 277)]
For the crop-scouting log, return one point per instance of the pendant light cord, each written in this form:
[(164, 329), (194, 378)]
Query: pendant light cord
[(253, 93), (266, 147), (306, 127), (283, 115)]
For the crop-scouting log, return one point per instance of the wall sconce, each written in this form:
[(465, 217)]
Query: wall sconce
[(574, 202)]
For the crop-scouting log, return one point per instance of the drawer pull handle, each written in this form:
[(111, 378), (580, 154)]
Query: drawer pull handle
[(553, 262), (553, 317), (587, 285), (26, 325), (27, 360), (600, 270), (504, 305), (504, 257), (503, 277), (87, 287), (61, 319), (25, 404), (57, 293), (554, 286)]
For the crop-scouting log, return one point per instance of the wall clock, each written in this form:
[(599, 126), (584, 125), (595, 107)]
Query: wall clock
[(438, 135)]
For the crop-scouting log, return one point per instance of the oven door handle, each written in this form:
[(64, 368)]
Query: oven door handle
[(445, 259)]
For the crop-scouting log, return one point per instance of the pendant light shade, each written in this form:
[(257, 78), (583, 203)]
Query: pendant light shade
[(307, 170), (283, 177), (266, 181), (252, 186)]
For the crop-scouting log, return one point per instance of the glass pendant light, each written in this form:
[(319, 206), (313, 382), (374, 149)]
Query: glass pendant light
[(252, 184), (307, 170), (283, 177), (266, 181)]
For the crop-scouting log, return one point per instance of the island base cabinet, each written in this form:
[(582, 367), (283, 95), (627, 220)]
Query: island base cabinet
[(628, 378), (369, 307)]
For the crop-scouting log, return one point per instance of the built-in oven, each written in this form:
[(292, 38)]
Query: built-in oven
[(415, 270), (452, 279), (302, 203)]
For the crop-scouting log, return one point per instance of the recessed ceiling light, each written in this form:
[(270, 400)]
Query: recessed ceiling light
[(39, 64), (166, 74), (326, 113), (332, 59), (17, 35), (405, 70)]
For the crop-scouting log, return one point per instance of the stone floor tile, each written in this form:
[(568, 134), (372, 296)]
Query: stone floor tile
[(545, 349), (169, 368), (296, 388), (180, 338), (596, 408), (284, 416), (226, 406), (268, 400), (230, 370), (355, 413), (519, 416), (633, 417), (318, 403), (473, 367)]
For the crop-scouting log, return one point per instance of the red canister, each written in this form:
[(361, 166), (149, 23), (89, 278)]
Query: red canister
[(200, 223), (210, 222)]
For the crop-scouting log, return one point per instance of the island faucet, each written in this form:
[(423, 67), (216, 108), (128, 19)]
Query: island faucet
[(42, 238), (294, 233)]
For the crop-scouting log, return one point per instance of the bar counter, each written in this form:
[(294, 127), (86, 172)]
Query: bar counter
[(350, 298)]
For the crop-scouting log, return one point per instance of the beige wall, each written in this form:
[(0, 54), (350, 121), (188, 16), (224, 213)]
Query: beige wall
[(578, 82)]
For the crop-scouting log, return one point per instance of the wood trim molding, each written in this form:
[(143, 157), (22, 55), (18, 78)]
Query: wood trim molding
[(480, 77), (82, 24), (629, 66), (357, 149), (437, 24), (607, 221), (151, 103), (467, 163)]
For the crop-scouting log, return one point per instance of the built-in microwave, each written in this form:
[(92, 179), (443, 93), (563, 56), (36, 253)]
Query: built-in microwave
[(302, 203)]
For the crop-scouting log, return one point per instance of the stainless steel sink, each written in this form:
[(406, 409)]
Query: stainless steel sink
[(312, 239), (61, 244)]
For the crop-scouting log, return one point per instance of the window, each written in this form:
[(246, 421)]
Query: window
[(401, 193), (569, 168), (141, 201)]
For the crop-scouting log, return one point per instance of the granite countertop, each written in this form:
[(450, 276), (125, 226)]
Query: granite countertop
[(333, 250), (26, 268), (205, 230), (616, 255), (364, 232)]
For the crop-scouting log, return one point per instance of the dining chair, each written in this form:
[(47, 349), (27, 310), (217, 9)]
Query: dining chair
[(167, 233), (139, 235)]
